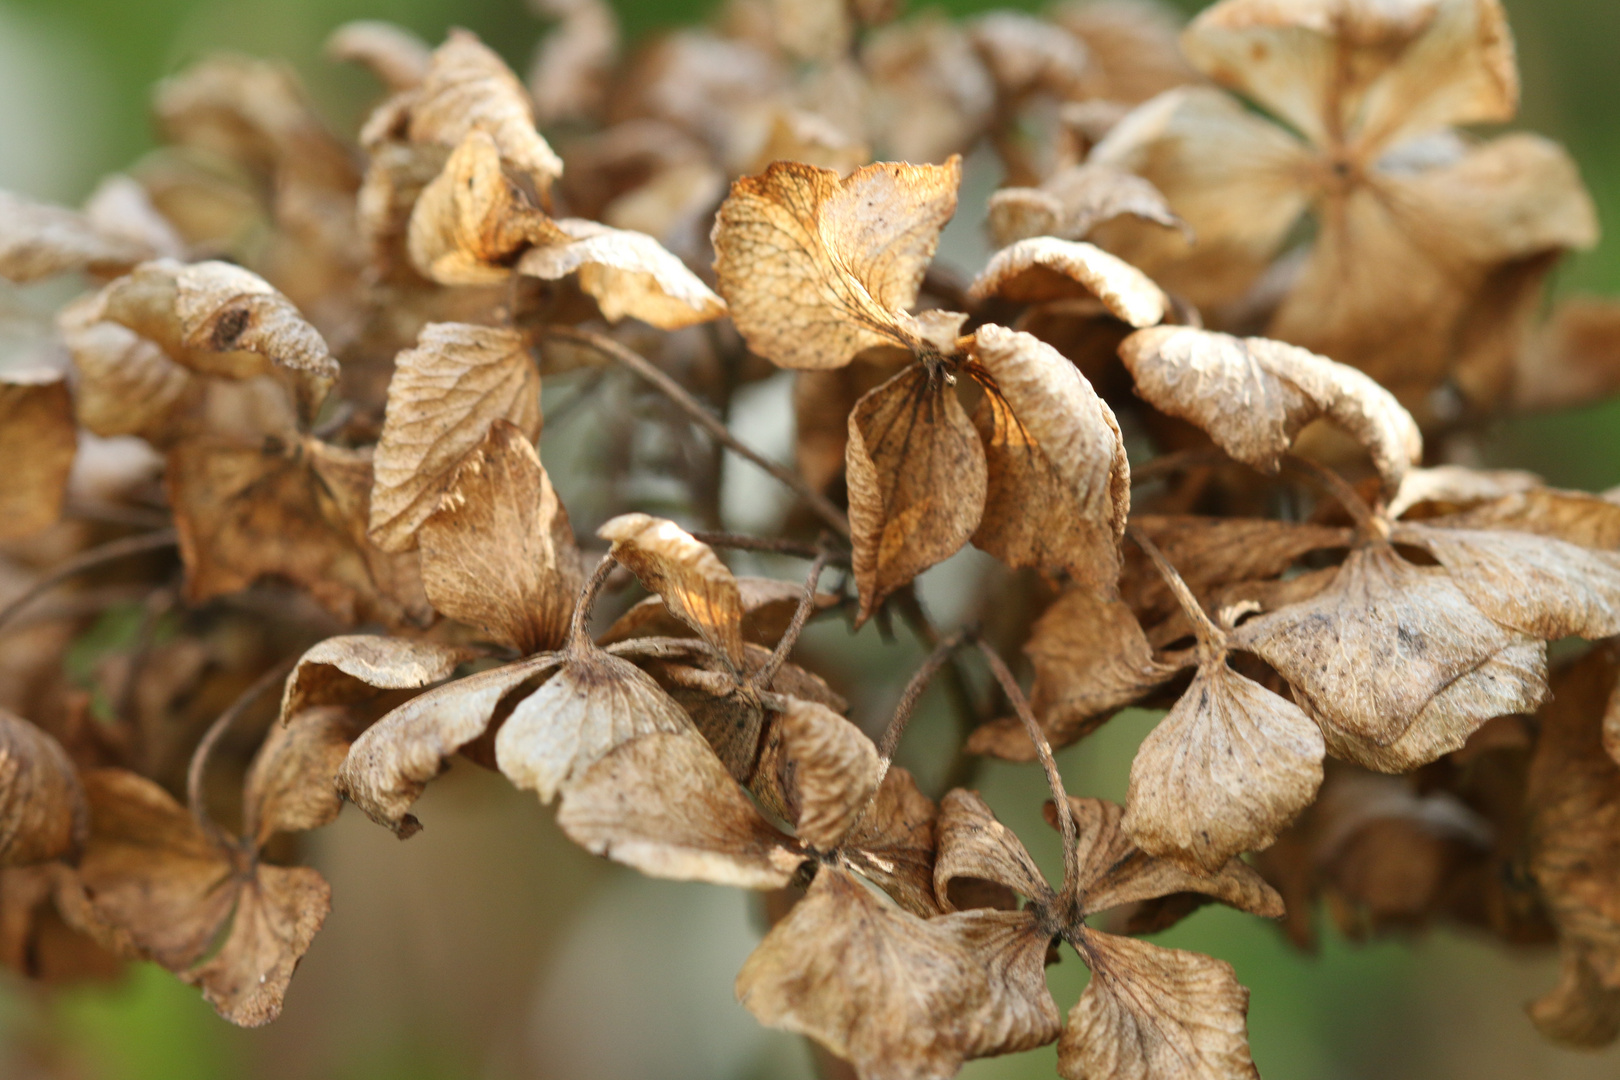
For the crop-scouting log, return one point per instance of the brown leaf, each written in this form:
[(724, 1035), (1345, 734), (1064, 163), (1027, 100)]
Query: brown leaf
[(499, 552), (224, 308), (471, 223), (1253, 396), (815, 267), (396, 56), (352, 668), (1576, 516), (573, 66), (296, 512), (1457, 486), (594, 704), (441, 400), (468, 86), (917, 481), (1091, 659), (393, 760), (1410, 625), (974, 845), (1580, 1011), (289, 785), (1073, 202), (127, 384), (767, 604), (1059, 487), (695, 585), (628, 272), (1152, 1012), (38, 240), (38, 440), (833, 772), (664, 804), (42, 809), (1538, 585), (1573, 360), (1223, 773), (1045, 268), (892, 843)]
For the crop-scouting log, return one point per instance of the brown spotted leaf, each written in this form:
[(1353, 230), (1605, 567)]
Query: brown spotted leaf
[(917, 481), (695, 585), (1253, 396), (1045, 268), (1228, 768), (815, 267), (1058, 487), (499, 552), (628, 272), (38, 440), (393, 760), (443, 396), (42, 809)]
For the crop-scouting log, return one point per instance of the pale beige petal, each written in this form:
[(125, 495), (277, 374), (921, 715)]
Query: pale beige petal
[(1459, 486), (814, 266), (467, 85), (1151, 1013), (1074, 201), (917, 481), (1253, 396), (499, 553), (127, 385), (390, 764), (1047, 268), (629, 273), (665, 805), (441, 400), (695, 585), (593, 705), (1223, 773), (396, 56), (38, 441), (43, 814), (352, 668), (38, 240), (573, 65), (471, 223), (973, 844), (1232, 176), (1059, 484)]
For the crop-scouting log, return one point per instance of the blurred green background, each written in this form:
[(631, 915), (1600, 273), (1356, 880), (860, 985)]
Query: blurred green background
[(489, 947)]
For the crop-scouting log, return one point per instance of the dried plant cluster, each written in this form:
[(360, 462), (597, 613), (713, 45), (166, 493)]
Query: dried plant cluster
[(1205, 404)]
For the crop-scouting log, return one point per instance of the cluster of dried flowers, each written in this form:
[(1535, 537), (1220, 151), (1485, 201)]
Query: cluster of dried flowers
[(315, 371)]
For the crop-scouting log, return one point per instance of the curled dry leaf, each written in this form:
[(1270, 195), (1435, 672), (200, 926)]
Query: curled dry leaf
[(38, 441), (1046, 268), (443, 396), (354, 667), (917, 481), (1073, 202), (1253, 396), (470, 223), (499, 553), (767, 606), (1058, 485), (38, 240), (396, 56), (127, 384), (694, 584), (836, 772), (42, 809), (468, 86), (629, 274), (573, 65), (814, 267)]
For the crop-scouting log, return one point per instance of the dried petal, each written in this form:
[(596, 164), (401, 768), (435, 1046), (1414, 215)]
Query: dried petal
[(289, 785), (499, 552), (278, 913), (1045, 268), (593, 705), (892, 844), (1073, 202), (396, 56), (38, 240), (1253, 396), (38, 440), (42, 809), (973, 844), (354, 667), (831, 771), (390, 764), (629, 273), (470, 222), (665, 805), (695, 585), (127, 385), (917, 481), (573, 66), (441, 401), (814, 267), (1059, 484), (1151, 1013)]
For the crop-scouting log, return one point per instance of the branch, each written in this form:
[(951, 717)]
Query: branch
[(705, 419), (196, 770), (799, 549), (801, 615), (90, 560)]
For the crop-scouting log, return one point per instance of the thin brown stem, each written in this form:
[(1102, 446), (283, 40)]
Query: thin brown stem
[(1209, 635), (801, 615), (942, 654), (579, 627), (956, 680), (798, 549), (1179, 461), (197, 770), (704, 418), (1020, 704), (1367, 520), (91, 560)]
